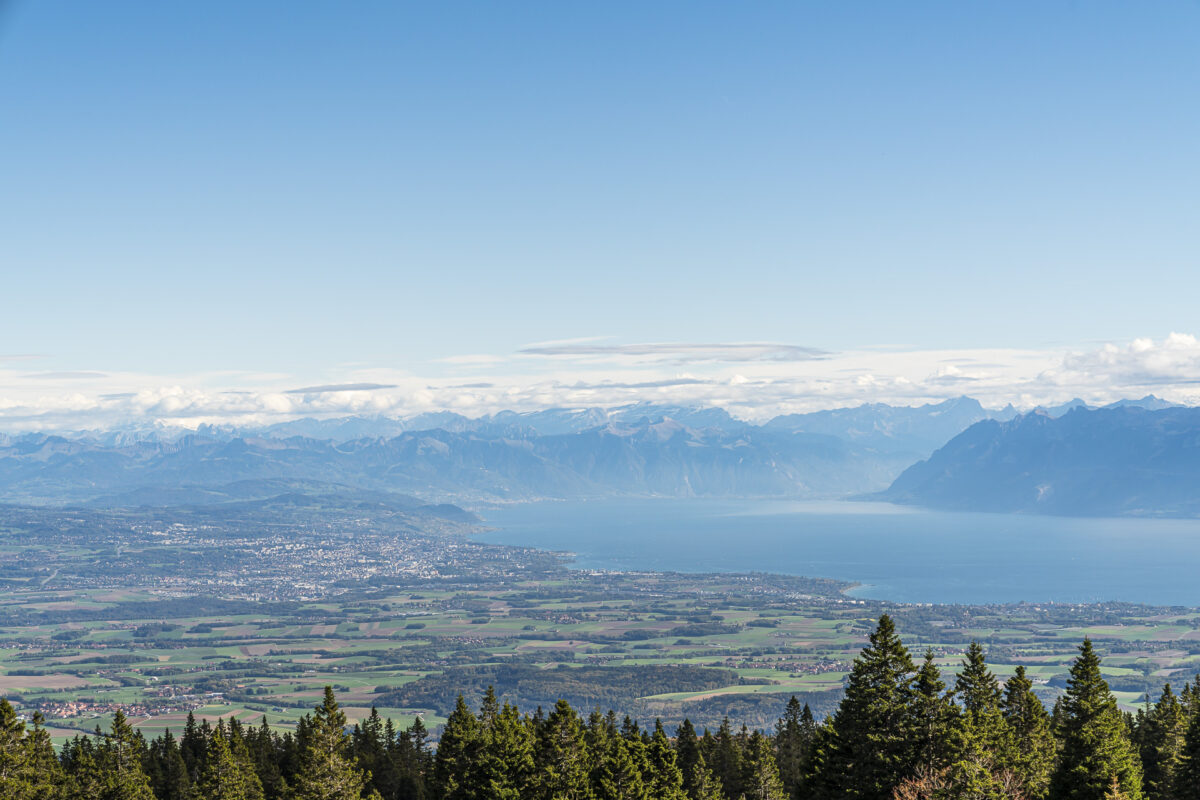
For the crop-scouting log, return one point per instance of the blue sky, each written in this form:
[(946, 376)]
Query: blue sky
[(251, 194)]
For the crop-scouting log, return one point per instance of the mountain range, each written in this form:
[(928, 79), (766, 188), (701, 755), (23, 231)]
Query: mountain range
[(1115, 461), (642, 449)]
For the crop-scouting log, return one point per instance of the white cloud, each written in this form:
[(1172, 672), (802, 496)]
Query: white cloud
[(684, 352), (1143, 362), (750, 379)]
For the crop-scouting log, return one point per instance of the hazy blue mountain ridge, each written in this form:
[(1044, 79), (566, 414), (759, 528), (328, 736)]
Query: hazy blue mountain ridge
[(636, 450), (1120, 460), (643, 458)]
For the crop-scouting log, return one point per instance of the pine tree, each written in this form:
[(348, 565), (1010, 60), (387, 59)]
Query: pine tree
[(43, 775), (703, 784), (85, 778), (981, 766), (935, 719), (1034, 749), (457, 753), (619, 776), (760, 775), (793, 743), (666, 779), (506, 767), (1095, 746), (240, 751), (687, 755), (222, 778), (869, 748), (12, 751), (725, 758), (1187, 777), (121, 763), (560, 757), (169, 779), (327, 772), (1162, 734)]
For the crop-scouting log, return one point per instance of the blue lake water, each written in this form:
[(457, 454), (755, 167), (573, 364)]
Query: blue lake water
[(897, 553)]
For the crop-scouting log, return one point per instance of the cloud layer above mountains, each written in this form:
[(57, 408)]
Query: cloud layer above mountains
[(753, 380)]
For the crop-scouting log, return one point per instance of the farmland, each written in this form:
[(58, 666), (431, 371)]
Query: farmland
[(103, 611)]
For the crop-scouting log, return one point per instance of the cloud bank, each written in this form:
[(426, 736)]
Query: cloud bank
[(684, 352), (754, 381)]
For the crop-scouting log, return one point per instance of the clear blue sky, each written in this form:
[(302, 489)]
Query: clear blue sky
[(288, 186)]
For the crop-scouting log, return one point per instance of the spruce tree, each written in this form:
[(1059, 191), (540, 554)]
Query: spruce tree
[(619, 776), (1034, 750), (703, 785), (222, 778), (240, 751), (85, 777), (506, 767), (935, 719), (326, 771), (666, 779), (12, 751), (1162, 746), (1095, 745), (44, 776), (1187, 777), (457, 752), (266, 754), (793, 740), (687, 755), (981, 766), (560, 757), (725, 758), (121, 763), (193, 746), (760, 775), (169, 778), (979, 693), (870, 749), (368, 746)]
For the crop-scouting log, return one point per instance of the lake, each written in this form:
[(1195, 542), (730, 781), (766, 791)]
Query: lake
[(896, 553)]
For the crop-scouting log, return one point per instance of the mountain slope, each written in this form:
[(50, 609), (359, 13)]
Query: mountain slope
[(662, 457), (1122, 460), (915, 431)]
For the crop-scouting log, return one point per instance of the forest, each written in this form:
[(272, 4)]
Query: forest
[(900, 732)]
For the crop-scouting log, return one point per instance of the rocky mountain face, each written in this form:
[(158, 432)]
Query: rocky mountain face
[(1120, 460)]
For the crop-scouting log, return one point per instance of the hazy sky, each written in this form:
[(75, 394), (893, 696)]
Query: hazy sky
[(270, 195)]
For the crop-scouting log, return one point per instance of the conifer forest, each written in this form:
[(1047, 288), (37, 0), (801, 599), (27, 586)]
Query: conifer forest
[(902, 731)]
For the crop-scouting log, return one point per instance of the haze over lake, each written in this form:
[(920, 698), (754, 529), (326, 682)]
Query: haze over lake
[(896, 553)]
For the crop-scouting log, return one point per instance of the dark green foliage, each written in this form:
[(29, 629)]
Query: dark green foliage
[(560, 757), (794, 737), (982, 761), (583, 687), (936, 720), (760, 775), (724, 757), (870, 748), (1096, 750), (1187, 779), (897, 735), (1034, 750), (1161, 736), (167, 770), (327, 770)]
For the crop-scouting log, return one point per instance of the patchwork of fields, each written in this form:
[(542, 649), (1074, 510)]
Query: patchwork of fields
[(657, 645), (162, 613)]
